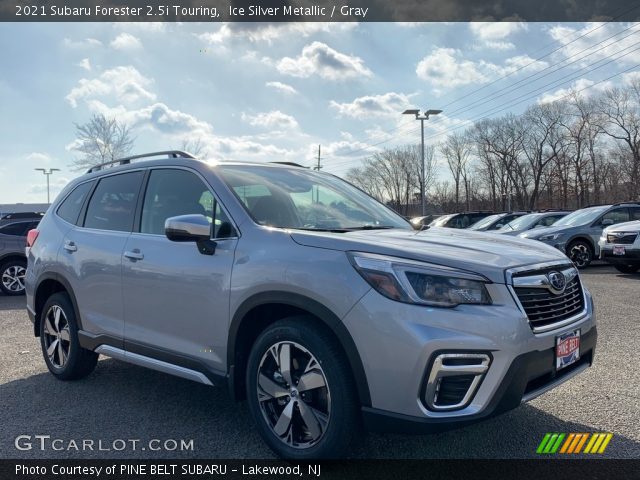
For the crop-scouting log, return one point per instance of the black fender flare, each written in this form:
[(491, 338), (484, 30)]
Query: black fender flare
[(330, 319), (67, 286)]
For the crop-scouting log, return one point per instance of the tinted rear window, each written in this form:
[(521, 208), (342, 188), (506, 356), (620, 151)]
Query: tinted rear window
[(113, 203), (17, 229)]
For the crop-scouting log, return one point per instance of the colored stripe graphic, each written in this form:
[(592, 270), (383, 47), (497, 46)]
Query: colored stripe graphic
[(572, 443)]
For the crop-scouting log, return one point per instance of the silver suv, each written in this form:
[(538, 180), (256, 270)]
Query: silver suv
[(316, 303), (620, 246)]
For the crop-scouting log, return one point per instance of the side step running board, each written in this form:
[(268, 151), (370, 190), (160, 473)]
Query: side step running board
[(152, 363)]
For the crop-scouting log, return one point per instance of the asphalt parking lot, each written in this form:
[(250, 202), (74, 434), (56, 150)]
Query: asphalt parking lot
[(121, 401)]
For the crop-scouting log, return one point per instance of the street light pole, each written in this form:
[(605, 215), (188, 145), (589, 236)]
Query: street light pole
[(47, 173), (422, 118)]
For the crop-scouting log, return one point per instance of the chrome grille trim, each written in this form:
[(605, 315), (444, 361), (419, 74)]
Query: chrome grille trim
[(623, 239), (545, 309)]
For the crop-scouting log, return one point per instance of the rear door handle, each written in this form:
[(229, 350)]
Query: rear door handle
[(134, 255), (70, 247)]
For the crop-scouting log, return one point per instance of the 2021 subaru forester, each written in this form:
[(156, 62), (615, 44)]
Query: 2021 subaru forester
[(316, 303)]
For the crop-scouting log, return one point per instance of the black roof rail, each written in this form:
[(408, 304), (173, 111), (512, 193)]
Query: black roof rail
[(291, 164), (626, 203), (598, 205), (127, 160)]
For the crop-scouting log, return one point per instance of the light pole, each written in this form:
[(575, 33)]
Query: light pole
[(422, 118), (47, 173)]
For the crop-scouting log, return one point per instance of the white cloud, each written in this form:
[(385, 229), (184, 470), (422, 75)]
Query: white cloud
[(282, 87), (319, 59), (39, 157), (86, 43), (126, 41), (595, 36), (584, 86), (124, 82), (388, 105), (84, 63), (258, 32), (147, 27), (446, 68), (274, 120), (493, 35)]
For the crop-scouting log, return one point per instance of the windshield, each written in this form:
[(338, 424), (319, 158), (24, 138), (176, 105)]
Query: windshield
[(520, 222), (581, 217), (485, 222), (440, 221), (303, 199)]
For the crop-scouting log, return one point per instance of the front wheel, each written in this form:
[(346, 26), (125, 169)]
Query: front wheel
[(301, 392), (627, 268), (580, 253)]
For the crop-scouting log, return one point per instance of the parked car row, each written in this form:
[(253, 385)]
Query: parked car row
[(13, 261), (610, 232)]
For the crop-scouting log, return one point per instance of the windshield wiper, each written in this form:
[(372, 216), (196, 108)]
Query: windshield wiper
[(369, 227), (345, 229)]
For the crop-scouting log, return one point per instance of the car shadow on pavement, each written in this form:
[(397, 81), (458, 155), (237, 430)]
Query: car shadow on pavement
[(123, 402), (12, 302)]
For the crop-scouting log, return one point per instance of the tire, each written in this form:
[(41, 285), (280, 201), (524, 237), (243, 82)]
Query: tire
[(59, 336), (581, 253), (330, 406), (626, 268), (12, 274)]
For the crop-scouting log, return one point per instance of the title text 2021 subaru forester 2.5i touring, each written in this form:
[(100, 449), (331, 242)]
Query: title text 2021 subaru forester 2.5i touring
[(316, 303)]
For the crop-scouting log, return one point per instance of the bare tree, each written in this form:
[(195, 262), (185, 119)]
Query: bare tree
[(195, 147), (100, 140), (456, 150)]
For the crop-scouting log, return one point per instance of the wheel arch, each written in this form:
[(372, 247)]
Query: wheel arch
[(259, 311), (47, 285), (584, 238)]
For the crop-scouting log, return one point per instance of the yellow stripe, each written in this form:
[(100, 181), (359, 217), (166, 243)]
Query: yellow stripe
[(575, 442), (594, 437), (596, 446), (567, 442), (605, 443), (584, 439)]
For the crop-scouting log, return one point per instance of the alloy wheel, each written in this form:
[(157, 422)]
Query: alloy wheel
[(580, 255), (57, 340), (13, 278), (293, 395)]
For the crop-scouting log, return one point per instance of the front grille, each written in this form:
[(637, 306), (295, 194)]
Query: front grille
[(544, 308), (627, 239)]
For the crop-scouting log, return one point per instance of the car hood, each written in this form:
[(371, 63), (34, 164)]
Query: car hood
[(483, 253), (538, 232), (633, 226)]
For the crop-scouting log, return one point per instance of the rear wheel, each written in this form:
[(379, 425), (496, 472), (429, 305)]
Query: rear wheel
[(12, 274), (301, 392), (62, 352), (627, 268), (580, 253)]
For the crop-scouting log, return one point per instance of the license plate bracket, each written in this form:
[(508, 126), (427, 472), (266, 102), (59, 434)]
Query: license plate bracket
[(618, 250), (567, 349)]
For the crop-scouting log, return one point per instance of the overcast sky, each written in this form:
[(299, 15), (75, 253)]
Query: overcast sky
[(274, 92)]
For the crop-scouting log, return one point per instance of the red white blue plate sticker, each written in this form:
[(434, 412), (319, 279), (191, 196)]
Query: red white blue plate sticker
[(567, 349)]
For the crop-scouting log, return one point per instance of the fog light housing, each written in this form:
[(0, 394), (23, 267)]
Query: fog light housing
[(453, 380)]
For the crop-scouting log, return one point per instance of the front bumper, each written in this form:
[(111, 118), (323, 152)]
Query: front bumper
[(631, 254), (530, 375), (397, 343)]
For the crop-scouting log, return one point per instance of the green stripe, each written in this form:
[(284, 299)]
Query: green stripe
[(558, 443), (543, 443), (547, 449)]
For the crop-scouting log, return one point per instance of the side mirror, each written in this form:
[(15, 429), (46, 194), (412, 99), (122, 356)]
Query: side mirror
[(191, 228), (606, 222)]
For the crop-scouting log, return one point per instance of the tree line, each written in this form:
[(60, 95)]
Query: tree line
[(568, 154)]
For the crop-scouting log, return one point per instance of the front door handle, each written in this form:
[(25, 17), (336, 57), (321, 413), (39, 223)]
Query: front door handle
[(70, 247), (134, 255)]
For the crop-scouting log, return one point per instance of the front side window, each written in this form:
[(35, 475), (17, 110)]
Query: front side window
[(635, 214), (173, 192), (580, 217), (617, 216), (69, 209), (298, 198), (113, 203)]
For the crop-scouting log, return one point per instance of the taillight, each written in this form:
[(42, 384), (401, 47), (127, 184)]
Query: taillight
[(32, 236)]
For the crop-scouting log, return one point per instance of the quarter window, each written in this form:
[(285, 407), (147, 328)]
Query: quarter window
[(113, 204), (69, 209)]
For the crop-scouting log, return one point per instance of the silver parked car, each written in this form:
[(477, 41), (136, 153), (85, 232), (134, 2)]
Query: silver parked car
[(13, 262), (531, 221), (620, 246), (314, 302)]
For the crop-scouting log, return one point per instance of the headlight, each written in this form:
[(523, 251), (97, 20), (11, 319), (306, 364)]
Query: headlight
[(550, 236), (415, 282)]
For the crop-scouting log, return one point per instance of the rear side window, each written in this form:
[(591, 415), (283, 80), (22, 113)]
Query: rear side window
[(69, 209), (635, 214), (16, 229), (113, 203), (618, 216)]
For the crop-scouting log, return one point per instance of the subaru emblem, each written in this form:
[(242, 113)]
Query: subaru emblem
[(557, 281)]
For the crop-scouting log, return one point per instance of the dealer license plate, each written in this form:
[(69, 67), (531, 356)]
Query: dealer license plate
[(618, 250), (567, 349)]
